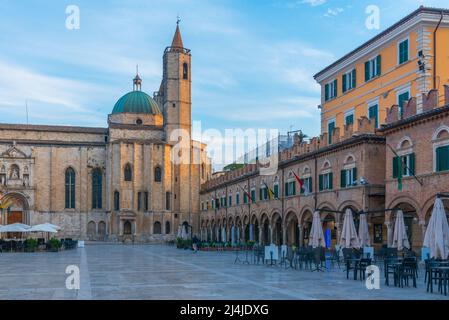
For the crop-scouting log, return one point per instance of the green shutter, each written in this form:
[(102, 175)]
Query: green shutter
[(343, 80), (260, 193), (286, 189), (343, 178), (412, 164), (367, 75), (253, 195), (335, 88), (326, 92), (395, 167), (406, 51), (354, 78), (331, 182), (320, 184), (276, 191), (442, 154), (310, 185), (294, 187), (354, 174), (379, 65)]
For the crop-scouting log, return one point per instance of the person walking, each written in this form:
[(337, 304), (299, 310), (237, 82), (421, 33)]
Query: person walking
[(195, 241)]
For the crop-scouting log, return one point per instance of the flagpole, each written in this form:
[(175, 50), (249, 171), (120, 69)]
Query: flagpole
[(412, 171)]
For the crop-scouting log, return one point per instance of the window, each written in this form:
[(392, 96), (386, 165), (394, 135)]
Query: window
[(70, 188), (403, 51), (330, 130), (442, 158), (290, 188), (253, 195), (237, 198), (276, 190), (230, 201), (116, 201), (245, 198), (128, 172), (349, 117), (157, 174), (349, 81), (402, 99), (373, 68), (167, 200), (139, 201), (307, 183), (330, 90), (185, 71), (145, 201), (167, 227), (263, 193), (407, 165), (325, 181), (139, 122), (373, 113), (157, 228), (348, 177), (97, 189)]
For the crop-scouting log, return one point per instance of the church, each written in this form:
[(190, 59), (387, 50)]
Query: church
[(119, 183)]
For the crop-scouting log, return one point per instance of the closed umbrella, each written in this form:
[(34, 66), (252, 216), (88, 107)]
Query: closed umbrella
[(184, 232), (363, 231), (400, 239), (437, 232), (223, 234), (316, 233), (179, 235), (349, 238)]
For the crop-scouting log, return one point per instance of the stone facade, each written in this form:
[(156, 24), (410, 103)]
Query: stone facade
[(141, 193)]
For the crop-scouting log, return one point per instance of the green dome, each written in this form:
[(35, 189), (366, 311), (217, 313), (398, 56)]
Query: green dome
[(136, 102)]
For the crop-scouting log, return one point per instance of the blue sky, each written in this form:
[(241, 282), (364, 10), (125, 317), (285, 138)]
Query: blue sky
[(253, 60)]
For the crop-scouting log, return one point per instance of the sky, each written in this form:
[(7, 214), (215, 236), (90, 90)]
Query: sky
[(253, 61)]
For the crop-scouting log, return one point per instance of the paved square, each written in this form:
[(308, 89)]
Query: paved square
[(162, 272)]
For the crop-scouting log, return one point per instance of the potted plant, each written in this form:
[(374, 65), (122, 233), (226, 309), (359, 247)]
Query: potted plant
[(54, 244), (31, 245), (179, 243)]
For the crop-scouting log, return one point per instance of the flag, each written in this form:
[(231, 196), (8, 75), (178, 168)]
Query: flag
[(247, 194), (301, 184), (270, 192)]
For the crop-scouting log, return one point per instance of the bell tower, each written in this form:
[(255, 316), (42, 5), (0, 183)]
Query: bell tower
[(175, 96)]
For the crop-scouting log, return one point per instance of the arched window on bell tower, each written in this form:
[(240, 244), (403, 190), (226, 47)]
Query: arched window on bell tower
[(185, 71), (128, 172)]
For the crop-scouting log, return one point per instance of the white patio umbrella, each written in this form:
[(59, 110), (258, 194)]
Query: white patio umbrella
[(316, 233), (57, 228), (42, 228), (363, 231), (400, 239), (349, 238), (437, 232), (15, 227)]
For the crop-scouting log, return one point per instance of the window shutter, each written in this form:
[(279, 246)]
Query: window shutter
[(405, 51), (294, 187), (286, 189), (331, 182), (366, 71), (354, 78), (354, 174), (395, 167), (343, 178), (326, 92), (276, 191), (412, 164), (343, 80), (379, 65), (310, 185), (320, 184), (335, 88), (442, 154), (260, 193)]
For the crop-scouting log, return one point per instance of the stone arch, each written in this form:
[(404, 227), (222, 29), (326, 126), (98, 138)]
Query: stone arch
[(350, 158), (350, 203), (404, 143), (437, 133), (291, 223), (102, 230), (411, 220), (18, 207)]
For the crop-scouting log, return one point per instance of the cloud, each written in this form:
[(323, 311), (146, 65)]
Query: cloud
[(314, 3), (333, 12)]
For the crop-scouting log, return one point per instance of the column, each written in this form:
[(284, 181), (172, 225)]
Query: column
[(300, 235), (260, 235), (389, 225), (251, 232), (270, 234), (284, 234)]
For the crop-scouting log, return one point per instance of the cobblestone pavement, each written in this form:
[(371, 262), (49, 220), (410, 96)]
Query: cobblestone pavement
[(162, 272)]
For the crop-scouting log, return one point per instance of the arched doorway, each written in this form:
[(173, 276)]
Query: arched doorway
[(277, 230), (127, 228), (330, 230), (15, 211), (411, 222), (292, 229), (102, 230), (306, 224), (266, 232), (91, 230)]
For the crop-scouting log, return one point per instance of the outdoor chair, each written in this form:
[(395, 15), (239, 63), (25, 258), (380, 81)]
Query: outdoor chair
[(319, 257), (334, 257), (408, 270), (392, 267), (361, 267)]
